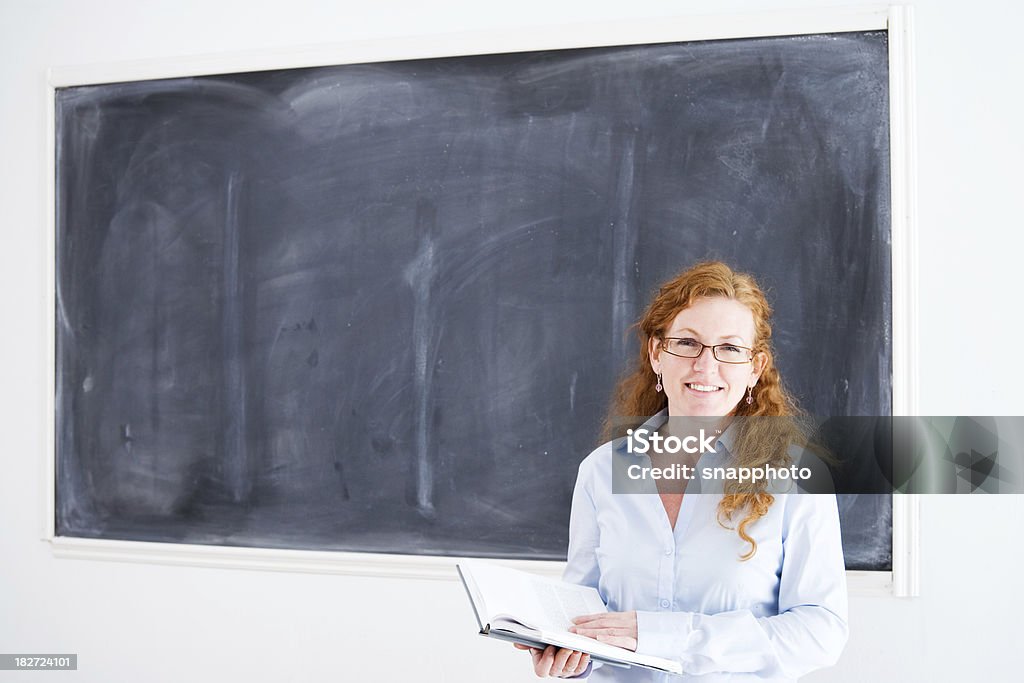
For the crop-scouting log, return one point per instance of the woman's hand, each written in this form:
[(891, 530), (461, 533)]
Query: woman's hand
[(558, 662), (614, 628)]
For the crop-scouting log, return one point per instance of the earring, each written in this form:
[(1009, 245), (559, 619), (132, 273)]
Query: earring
[(750, 395), (658, 387)]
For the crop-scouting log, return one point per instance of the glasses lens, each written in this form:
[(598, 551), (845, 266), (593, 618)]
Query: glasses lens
[(731, 354), (687, 348)]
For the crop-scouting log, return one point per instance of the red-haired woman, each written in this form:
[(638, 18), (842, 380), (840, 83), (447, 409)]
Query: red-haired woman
[(741, 581)]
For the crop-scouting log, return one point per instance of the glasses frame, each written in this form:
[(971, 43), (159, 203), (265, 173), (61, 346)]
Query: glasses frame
[(713, 347)]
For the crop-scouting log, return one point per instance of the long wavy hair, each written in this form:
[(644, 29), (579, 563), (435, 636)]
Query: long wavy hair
[(758, 442)]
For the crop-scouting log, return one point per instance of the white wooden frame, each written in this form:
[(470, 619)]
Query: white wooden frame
[(903, 580)]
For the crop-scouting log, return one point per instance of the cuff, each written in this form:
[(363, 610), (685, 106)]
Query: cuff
[(663, 634)]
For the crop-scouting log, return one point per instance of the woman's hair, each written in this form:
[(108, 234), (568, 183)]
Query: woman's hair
[(758, 441)]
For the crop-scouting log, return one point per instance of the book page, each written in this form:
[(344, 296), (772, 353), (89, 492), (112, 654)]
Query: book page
[(536, 602), (522, 605), (560, 603)]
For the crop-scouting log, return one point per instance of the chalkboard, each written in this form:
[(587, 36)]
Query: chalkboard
[(381, 307)]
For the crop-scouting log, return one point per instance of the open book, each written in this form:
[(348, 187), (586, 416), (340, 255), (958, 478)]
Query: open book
[(534, 610)]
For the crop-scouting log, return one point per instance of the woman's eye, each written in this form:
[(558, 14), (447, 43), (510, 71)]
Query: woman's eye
[(686, 343), (731, 349)]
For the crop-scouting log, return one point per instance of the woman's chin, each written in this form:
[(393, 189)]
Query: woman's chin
[(700, 408)]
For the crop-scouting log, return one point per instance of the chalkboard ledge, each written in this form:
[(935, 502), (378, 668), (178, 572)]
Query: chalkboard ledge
[(268, 559), (860, 583)]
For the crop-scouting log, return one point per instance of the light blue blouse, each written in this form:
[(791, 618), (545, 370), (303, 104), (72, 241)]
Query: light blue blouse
[(774, 617)]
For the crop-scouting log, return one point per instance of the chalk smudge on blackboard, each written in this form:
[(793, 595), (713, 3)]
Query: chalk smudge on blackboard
[(419, 274), (236, 479)]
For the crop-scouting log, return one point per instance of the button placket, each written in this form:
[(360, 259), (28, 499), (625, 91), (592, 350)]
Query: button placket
[(666, 577)]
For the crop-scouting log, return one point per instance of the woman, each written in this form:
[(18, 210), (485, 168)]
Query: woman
[(734, 583)]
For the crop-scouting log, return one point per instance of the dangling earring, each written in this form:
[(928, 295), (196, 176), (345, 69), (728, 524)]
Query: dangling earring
[(750, 395), (658, 387)]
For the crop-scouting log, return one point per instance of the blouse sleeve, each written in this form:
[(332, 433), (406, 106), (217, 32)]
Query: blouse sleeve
[(810, 629), (581, 563)]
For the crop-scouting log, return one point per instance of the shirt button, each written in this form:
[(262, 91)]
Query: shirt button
[(668, 551), (664, 604)]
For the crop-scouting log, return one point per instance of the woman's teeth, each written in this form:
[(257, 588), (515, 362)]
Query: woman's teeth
[(703, 387)]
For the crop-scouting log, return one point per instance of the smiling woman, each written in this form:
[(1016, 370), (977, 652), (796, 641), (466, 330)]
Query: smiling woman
[(764, 600), (712, 383)]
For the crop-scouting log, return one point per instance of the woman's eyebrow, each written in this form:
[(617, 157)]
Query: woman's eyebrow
[(697, 334)]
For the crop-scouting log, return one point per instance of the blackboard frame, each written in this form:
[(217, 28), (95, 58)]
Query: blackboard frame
[(902, 580)]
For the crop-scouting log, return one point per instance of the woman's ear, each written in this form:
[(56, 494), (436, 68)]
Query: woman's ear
[(760, 362), (654, 353)]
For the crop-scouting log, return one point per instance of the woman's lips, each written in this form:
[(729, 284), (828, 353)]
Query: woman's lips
[(701, 394)]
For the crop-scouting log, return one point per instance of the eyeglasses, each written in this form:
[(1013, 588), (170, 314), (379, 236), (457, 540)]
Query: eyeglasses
[(685, 347)]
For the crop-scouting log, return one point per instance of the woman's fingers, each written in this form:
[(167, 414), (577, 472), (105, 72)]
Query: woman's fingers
[(552, 661), (606, 631), (602, 620), (584, 618), (569, 663), (572, 663), (543, 662), (614, 628), (561, 662), (626, 642), (561, 657)]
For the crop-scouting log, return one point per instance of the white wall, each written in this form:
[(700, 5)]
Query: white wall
[(131, 622)]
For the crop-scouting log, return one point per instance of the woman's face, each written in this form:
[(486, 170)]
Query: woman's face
[(704, 385)]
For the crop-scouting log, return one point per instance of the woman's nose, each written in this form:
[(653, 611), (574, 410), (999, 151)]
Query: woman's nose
[(705, 359)]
